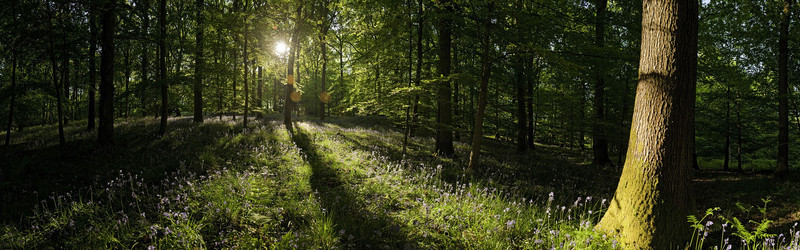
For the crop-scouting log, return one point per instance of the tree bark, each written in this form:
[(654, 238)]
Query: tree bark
[(162, 64), (726, 149), (486, 70), (783, 91), (653, 197), (105, 132), (199, 63), (444, 133), (599, 142), (145, 78)]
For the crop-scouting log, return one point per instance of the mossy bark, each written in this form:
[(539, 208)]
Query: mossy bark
[(653, 197)]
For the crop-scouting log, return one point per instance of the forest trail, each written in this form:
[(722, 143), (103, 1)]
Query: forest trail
[(340, 183)]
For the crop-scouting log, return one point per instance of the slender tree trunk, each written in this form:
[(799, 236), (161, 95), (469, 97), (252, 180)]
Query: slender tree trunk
[(260, 94), (92, 69), (653, 197), (783, 91), (324, 50), (105, 132), (162, 64), (13, 95), (599, 142), (287, 103), (444, 133), (246, 86), (522, 121), (486, 70), (145, 77), (531, 84), (738, 133), (199, 63), (65, 74), (127, 55), (726, 149), (418, 76)]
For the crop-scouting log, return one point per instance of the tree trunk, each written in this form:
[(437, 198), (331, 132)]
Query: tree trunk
[(162, 64), (418, 76), (522, 121), (444, 133), (145, 78), (92, 69), (531, 84), (783, 91), (287, 103), (13, 95), (65, 74), (486, 70), (246, 85), (599, 142), (105, 132), (198, 63), (260, 93), (127, 59), (324, 51), (653, 197), (738, 133), (726, 149)]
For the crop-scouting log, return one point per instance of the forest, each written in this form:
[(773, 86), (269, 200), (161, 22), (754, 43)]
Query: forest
[(399, 124)]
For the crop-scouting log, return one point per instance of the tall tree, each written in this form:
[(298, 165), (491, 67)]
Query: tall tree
[(295, 44), (599, 142), (444, 117), (198, 64), (324, 26), (783, 91), (260, 93), (145, 42), (652, 200), (108, 18), (246, 85), (522, 121), (486, 70), (162, 64)]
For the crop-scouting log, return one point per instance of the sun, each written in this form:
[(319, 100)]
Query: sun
[(281, 48)]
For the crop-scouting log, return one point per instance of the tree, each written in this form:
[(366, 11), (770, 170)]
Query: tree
[(652, 200), (13, 75), (486, 70), (287, 101), (162, 64), (198, 66), (444, 133), (599, 142), (783, 91), (108, 19)]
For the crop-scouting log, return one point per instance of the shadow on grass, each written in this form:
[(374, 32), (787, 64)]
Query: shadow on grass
[(363, 229), (30, 173)]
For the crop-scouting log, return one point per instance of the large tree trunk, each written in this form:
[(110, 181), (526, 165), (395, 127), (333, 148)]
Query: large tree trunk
[(418, 76), (162, 64), (783, 91), (486, 70), (444, 133), (599, 142), (653, 197), (198, 63), (105, 132)]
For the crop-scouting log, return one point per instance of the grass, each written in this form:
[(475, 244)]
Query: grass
[(343, 183)]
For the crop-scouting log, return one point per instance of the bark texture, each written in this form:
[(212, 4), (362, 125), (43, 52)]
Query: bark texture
[(198, 66), (653, 197)]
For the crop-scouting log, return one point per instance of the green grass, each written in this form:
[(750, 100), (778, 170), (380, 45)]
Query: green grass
[(339, 184)]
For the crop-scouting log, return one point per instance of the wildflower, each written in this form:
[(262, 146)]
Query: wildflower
[(551, 198), (510, 224), (709, 223), (151, 248)]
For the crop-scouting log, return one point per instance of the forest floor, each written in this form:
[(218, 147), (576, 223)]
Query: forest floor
[(342, 183)]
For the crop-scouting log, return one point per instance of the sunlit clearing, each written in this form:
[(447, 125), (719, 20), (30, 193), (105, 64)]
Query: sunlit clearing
[(281, 48)]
